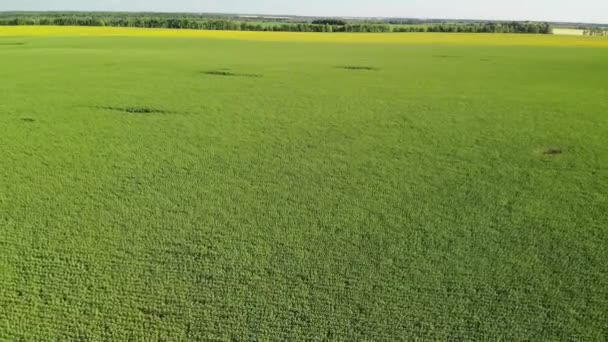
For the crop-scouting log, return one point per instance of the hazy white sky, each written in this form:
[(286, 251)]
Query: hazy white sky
[(551, 10)]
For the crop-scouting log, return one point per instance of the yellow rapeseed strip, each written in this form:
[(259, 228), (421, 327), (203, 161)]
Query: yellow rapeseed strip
[(367, 38)]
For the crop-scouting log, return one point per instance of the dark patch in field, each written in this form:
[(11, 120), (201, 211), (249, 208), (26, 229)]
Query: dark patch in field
[(137, 110), (446, 56), (228, 73), (11, 43), (28, 120), (356, 67), (153, 312), (553, 151)]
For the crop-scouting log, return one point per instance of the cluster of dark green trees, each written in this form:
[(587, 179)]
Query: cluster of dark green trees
[(200, 22), (329, 22)]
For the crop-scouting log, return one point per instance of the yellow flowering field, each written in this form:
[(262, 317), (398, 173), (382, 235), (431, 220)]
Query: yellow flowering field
[(382, 38)]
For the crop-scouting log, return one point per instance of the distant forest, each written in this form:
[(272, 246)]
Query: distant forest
[(264, 23)]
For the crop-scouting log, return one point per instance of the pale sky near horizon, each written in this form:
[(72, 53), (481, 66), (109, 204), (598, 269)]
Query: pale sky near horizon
[(592, 11)]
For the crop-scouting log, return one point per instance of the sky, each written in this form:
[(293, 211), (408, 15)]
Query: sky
[(591, 11)]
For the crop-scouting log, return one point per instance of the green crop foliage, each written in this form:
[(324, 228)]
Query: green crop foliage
[(207, 189)]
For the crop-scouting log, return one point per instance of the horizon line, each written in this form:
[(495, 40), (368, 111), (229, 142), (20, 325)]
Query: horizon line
[(305, 16)]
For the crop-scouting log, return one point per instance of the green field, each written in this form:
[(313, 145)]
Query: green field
[(213, 189)]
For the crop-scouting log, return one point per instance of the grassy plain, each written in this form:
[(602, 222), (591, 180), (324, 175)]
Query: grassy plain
[(275, 186)]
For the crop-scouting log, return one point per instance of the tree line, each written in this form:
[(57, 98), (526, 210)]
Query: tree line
[(205, 24), (320, 25), (595, 31), (492, 27)]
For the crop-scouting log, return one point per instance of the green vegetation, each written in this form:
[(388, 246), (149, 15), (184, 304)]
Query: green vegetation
[(239, 23), (152, 190), (326, 21)]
